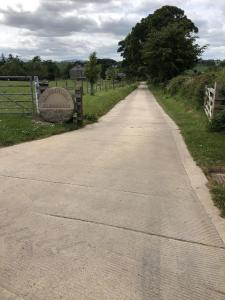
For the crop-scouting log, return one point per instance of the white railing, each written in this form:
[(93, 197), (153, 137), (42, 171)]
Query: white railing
[(209, 102), (214, 100)]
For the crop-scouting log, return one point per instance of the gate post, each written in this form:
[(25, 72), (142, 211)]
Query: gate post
[(37, 93), (78, 99)]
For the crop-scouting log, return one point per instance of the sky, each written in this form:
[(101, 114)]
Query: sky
[(72, 29)]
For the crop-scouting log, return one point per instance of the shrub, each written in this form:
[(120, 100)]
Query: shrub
[(175, 84), (199, 86), (218, 122), (192, 87)]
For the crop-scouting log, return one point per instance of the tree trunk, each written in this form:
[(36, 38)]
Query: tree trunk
[(92, 89)]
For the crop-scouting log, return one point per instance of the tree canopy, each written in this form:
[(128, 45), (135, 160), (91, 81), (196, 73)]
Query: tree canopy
[(161, 46), (44, 69), (11, 65)]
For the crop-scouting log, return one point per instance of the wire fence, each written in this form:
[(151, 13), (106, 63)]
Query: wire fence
[(19, 94), (101, 85)]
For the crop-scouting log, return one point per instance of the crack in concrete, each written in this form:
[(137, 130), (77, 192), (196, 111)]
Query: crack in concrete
[(135, 230), (75, 184)]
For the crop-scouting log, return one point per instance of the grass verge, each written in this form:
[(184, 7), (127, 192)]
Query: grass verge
[(16, 129), (99, 104), (207, 148), (218, 192)]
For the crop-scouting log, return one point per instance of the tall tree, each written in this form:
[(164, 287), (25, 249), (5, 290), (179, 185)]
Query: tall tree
[(13, 66), (168, 48), (105, 64), (2, 60), (92, 70), (52, 69), (131, 48), (35, 67)]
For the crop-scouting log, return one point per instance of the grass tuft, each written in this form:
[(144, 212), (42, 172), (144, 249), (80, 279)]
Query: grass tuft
[(218, 191)]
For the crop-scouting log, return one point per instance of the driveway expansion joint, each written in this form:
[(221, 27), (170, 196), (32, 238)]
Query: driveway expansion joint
[(76, 185), (133, 230)]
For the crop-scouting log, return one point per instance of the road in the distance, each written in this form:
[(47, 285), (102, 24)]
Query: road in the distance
[(106, 212)]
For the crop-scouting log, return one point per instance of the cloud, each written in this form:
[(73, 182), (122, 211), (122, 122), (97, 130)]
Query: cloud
[(63, 29), (49, 19)]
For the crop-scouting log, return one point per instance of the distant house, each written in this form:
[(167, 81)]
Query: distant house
[(77, 72)]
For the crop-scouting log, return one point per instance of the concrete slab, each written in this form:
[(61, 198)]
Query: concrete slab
[(107, 212)]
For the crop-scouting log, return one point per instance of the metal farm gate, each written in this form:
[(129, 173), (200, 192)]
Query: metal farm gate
[(17, 95)]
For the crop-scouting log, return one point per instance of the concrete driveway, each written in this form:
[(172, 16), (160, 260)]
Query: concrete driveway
[(107, 212)]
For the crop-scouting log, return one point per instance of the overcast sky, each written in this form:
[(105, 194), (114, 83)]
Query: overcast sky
[(71, 29)]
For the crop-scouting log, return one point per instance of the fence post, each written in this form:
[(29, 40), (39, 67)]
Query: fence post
[(32, 96), (78, 116), (37, 93)]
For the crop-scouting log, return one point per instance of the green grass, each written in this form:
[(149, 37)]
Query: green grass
[(15, 129), (102, 102), (207, 148), (218, 192), (16, 103), (23, 103)]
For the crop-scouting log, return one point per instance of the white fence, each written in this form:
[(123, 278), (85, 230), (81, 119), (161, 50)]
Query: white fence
[(214, 101)]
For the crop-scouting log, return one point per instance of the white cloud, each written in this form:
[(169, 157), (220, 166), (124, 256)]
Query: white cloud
[(62, 29), (21, 5)]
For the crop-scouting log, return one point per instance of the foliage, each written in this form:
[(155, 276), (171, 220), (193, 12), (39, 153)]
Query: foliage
[(206, 147), (131, 48), (47, 69), (191, 87), (218, 191), (112, 73), (14, 66), (11, 66), (92, 70), (106, 63), (218, 122), (163, 44)]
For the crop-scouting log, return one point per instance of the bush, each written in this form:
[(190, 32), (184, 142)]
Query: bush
[(219, 197), (191, 87), (218, 122), (199, 86), (175, 84)]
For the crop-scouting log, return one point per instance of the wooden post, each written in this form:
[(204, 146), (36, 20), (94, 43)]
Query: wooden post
[(78, 116), (37, 93)]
